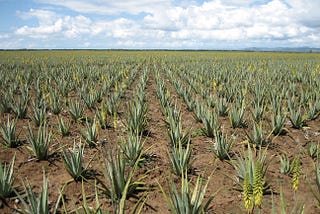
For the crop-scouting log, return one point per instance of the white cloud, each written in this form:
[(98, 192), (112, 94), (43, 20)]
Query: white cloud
[(230, 21), (76, 26), (4, 36), (52, 25), (43, 31), (11, 43), (86, 44), (110, 7), (45, 17), (170, 24), (306, 11), (244, 3)]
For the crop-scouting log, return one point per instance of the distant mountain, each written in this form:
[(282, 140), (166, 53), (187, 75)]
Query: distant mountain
[(284, 49)]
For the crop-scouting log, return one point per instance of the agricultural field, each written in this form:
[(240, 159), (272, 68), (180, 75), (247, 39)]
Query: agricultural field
[(159, 132)]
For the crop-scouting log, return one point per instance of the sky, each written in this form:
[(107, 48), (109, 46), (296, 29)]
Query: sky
[(159, 24)]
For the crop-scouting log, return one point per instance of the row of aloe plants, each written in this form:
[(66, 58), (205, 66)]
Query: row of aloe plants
[(221, 144), (119, 181), (120, 166), (47, 102), (184, 199), (181, 152), (259, 105), (41, 114), (219, 90)]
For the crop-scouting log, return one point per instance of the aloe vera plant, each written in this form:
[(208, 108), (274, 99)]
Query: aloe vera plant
[(162, 93), (176, 133), (86, 208), (137, 117), (9, 134), (63, 127), (190, 104), (120, 183), (132, 148), (40, 143), (251, 174), (5, 103), (313, 150), (37, 204), (39, 101), (312, 108), (98, 94), (103, 117), (20, 107), (187, 201), (39, 115), (173, 115), (258, 111), (180, 158), (90, 134), (316, 191), (297, 119), (258, 137), (6, 179), (89, 98), (73, 161), (222, 146), (55, 103), (112, 104), (199, 111), (284, 164), (210, 100), (222, 106), (210, 124), (277, 121), (76, 110), (236, 115)]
